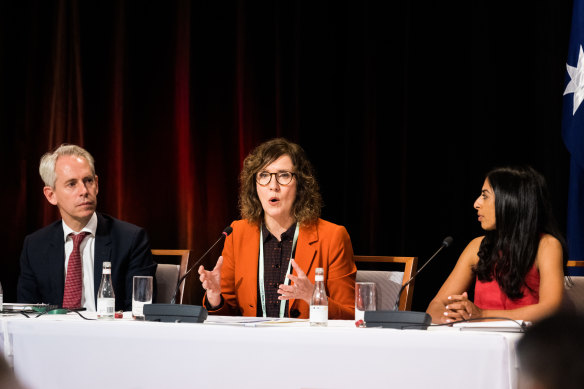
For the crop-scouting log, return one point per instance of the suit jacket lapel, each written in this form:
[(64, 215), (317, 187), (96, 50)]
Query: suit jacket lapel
[(56, 260), (102, 251), (305, 252), (250, 266)]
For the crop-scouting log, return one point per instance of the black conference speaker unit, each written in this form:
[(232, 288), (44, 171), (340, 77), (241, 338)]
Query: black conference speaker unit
[(175, 313), (402, 320)]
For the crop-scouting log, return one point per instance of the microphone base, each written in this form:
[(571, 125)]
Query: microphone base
[(398, 319), (175, 313)]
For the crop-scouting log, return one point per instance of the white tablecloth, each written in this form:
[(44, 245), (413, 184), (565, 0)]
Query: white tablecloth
[(68, 352)]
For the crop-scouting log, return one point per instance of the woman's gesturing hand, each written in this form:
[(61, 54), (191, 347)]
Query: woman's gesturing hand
[(301, 289), (211, 281)]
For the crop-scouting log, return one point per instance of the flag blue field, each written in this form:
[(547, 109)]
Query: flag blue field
[(573, 135)]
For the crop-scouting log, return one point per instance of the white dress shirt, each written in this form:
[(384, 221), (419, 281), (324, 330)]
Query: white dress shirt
[(87, 250)]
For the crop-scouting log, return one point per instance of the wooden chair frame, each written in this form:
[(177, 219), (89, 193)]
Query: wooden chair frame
[(184, 265), (410, 267)]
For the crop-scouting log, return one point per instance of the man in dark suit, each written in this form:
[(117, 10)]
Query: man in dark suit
[(45, 275)]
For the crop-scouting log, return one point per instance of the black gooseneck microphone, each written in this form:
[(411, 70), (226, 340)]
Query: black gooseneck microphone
[(181, 313), (445, 243), (226, 232), (404, 319)]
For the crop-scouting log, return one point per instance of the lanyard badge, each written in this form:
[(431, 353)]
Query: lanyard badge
[(261, 271)]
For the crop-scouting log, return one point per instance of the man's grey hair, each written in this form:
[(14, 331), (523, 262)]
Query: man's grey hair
[(48, 161)]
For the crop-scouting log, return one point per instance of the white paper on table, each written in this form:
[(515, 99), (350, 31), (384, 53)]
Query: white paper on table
[(497, 326), (252, 321)]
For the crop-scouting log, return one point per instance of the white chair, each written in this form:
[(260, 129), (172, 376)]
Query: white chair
[(167, 275), (574, 289), (166, 279), (388, 283)]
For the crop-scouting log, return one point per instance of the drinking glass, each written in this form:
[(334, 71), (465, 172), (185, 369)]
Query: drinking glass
[(141, 294), (365, 298)]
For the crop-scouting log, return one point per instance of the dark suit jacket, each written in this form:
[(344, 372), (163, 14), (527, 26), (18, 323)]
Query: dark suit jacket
[(42, 262)]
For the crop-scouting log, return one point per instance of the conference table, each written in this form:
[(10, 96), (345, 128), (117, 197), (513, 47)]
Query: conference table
[(66, 351)]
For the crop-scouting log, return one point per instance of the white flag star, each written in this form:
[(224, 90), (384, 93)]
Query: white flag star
[(576, 84)]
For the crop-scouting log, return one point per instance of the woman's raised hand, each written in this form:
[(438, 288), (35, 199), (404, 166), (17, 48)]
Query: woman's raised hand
[(302, 288), (211, 281)]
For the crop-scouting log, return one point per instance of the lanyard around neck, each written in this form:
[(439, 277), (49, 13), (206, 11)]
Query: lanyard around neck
[(261, 270)]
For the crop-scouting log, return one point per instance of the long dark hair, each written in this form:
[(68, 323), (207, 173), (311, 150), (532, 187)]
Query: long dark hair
[(523, 213)]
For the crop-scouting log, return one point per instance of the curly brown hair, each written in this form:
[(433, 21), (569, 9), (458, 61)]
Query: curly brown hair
[(308, 203)]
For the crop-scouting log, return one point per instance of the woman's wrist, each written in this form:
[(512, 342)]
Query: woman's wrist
[(214, 299)]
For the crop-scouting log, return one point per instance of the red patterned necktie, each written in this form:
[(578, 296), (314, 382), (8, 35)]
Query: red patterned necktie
[(74, 279)]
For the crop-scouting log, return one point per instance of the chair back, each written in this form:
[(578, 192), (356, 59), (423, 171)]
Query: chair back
[(166, 279), (575, 263), (574, 286), (168, 274), (388, 283), (574, 293)]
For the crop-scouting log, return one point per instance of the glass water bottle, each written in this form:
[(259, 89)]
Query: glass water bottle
[(319, 301), (106, 300)]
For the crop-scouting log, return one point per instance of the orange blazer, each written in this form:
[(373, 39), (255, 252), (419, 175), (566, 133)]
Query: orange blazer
[(323, 244)]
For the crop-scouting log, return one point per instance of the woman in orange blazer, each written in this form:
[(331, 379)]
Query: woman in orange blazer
[(279, 195)]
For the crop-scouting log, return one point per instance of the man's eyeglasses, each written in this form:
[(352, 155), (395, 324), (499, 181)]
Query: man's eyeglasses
[(283, 178)]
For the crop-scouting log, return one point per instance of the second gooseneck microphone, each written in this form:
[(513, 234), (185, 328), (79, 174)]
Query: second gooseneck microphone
[(404, 319), (228, 230), (445, 243)]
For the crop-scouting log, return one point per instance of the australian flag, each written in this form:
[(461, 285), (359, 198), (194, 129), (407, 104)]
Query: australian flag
[(573, 134)]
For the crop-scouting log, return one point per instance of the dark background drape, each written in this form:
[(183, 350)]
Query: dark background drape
[(402, 106)]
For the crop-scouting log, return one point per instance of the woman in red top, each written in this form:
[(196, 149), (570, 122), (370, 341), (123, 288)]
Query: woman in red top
[(517, 264)]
